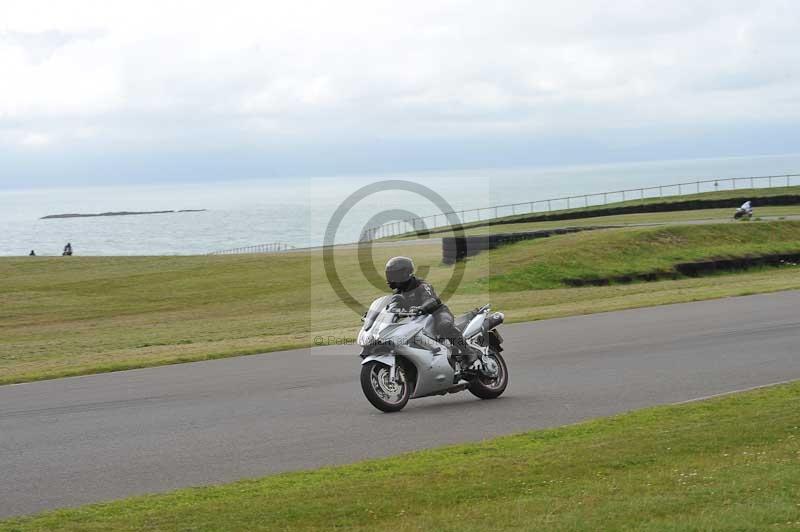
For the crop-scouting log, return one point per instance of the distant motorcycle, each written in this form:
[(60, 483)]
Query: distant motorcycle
[(745, 211), (403, 359)]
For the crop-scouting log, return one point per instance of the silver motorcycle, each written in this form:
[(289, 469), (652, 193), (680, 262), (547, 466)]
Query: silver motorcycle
[(403, 359)]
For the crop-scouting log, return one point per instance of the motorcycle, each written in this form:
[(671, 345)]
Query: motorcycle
[(402, 357), (745, 211)]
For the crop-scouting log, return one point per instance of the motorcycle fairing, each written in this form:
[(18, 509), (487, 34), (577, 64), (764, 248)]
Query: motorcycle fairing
[(475, 326)]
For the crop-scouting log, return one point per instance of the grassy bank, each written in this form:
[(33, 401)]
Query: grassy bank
[(77, 315), (730, 463), (551, 262), (657, 210), (676, 217)]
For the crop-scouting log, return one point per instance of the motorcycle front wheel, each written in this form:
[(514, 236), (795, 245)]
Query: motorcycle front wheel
[(380, 391), (491, 388)]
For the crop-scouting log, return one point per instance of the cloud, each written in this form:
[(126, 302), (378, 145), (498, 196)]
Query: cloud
[(40, 46), (192, 74), (34, 139)]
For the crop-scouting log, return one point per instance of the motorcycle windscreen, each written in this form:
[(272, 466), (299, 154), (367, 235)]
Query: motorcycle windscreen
[(374, 310)]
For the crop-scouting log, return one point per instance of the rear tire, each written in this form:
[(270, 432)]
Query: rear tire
[(486, 388), (382, 393)]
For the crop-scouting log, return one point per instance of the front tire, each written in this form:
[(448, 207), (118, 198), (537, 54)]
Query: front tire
[(491, 388), (380, 391)]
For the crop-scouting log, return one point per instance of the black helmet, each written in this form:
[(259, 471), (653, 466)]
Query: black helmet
[(399, 271)]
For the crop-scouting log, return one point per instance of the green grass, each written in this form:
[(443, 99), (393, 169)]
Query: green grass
[(72, 316), (672, 217), (730, 463), (548, 263), (504, 224)]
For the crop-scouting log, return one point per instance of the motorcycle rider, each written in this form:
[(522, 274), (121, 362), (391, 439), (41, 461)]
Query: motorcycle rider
[(746, 210), (420, 296)]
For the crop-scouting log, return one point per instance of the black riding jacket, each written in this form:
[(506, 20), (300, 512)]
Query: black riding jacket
[(418, 293)]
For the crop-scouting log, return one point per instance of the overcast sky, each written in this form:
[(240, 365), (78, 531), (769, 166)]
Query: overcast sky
[(114, 91)]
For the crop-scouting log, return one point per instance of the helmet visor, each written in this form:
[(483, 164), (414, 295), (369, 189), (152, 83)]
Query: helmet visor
[(398, 275)]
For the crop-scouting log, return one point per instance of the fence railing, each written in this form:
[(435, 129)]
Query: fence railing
[(575, 202), (273, 247)]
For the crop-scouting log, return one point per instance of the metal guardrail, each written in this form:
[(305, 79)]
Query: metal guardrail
[(274, 247), (575, 202)]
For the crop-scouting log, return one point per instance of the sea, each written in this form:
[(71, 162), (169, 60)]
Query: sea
[(302, 212)]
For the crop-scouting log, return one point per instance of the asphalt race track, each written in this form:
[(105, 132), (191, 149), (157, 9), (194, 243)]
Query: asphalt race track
[(72, 441)]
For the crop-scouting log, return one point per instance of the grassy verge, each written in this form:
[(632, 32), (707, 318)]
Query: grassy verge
[(676, 217), (549, 263), (607, 214), (730, 463), (78, 315)]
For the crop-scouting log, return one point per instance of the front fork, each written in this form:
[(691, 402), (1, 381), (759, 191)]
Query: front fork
[(388, 360)]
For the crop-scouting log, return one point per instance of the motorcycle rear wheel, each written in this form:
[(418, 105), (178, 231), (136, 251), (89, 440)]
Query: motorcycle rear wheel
[(491, 388), (383, 394)]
